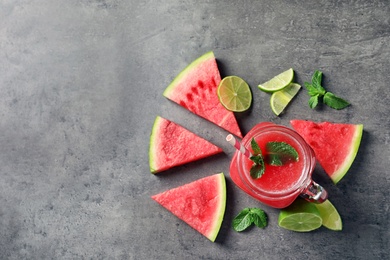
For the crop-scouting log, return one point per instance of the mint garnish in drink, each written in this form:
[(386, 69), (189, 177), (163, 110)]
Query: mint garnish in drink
[(318, 93), (277, 153), (247, 217)]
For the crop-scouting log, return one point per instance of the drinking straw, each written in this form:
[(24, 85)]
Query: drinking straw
[(234, 142)]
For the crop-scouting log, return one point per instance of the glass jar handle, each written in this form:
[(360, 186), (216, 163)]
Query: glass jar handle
[(314, 193)]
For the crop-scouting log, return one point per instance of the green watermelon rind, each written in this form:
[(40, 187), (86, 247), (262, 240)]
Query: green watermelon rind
[(207, 56), (220, 212), (355, 144), (152, 146)]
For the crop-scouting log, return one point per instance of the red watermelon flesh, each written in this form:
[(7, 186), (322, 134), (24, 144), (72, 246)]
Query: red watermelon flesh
[(335, 145), (172, 145), (195, 88), (201, 204)]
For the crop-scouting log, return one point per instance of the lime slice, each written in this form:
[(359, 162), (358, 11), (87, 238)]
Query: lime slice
[(278, 82), (234, 94), (280, 99), (301, 216), (330, 217)]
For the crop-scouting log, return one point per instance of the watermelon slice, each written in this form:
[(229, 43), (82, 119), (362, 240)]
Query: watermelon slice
[(195, 88), (201, 204), (335, 145), (172, 145)]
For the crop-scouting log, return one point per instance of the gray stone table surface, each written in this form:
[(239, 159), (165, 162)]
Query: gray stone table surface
[(81, 83)]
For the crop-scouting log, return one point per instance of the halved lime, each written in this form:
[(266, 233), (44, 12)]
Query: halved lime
[(330, 217), (280, 99), (278, 82), (301, 216), (234, 94)]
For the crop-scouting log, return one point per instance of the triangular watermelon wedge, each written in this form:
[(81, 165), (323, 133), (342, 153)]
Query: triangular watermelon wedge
[(201, 204), (172, 145), (195, 88), (335, 145)]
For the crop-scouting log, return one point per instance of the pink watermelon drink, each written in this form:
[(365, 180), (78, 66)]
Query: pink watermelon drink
[(279, 186)]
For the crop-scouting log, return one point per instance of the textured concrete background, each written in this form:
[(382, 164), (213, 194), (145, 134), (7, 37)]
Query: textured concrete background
[(81, 83)]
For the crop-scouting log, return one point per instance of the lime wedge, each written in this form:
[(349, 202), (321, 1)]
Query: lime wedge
[(234, 94), (280, 99), (278, 82), (301, 216), (330, 217)]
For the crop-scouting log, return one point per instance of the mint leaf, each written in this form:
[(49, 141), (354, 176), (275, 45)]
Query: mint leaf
[(247, 217), (334, 101), (243, 220), (317, 93), (313, 101), (317, 77), (257, 170), (259, 217), (274, 160), (316, 81), (255, 147), (280, 152)]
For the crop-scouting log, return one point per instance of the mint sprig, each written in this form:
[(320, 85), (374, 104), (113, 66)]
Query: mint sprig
[(249, 216), (318, 93), (278, 153)]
